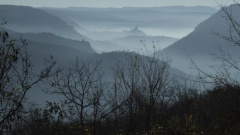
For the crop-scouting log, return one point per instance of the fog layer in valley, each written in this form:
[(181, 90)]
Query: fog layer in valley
[(82, 32)]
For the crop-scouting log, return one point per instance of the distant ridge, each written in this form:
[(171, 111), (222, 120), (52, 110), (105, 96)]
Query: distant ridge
[(44, 37)]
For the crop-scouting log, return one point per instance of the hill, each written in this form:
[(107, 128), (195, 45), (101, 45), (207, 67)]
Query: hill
[(205, 41), (27, 19), (44, 37), (42, 45)]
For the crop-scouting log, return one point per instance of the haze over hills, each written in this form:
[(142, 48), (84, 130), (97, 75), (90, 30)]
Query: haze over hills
[(106, 25), (203, 42), (27, 19), (133, 39), (44, 43)]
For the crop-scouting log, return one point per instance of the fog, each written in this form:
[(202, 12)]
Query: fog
[(105, 64)]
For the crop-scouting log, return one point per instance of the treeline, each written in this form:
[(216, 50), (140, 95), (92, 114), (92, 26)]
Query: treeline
[(143, 98)]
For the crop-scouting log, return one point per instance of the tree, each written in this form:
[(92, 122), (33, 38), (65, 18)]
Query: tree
[(141, 88), (16, 78), (84, 92), (127, 86), (155, 78)]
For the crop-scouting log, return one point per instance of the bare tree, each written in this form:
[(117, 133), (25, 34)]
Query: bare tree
[(141, 84), (155, 77), (84, 91), (128, 83)]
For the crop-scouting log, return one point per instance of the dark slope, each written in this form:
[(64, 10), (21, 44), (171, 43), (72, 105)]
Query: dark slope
[(42, 45)]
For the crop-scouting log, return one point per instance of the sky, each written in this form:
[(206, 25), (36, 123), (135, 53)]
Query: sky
[(113, 3)]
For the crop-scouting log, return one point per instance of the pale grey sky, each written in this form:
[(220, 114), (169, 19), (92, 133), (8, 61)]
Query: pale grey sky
[(113, 3)]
